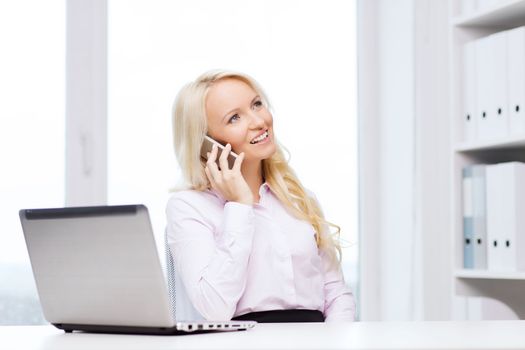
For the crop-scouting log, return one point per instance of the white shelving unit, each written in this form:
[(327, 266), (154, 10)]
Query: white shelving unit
[(508, 287), (507, 143), (490, 275)]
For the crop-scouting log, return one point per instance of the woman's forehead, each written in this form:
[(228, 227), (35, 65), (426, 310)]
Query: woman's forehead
[(227, 94), (228, 86)]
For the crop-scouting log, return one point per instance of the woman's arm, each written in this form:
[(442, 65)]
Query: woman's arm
[(213, 273), (339, 304)]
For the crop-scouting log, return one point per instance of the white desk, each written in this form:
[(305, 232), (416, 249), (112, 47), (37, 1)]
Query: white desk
[(359, 335)]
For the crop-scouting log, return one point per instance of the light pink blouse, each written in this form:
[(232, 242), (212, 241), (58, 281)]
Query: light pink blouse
[(235, 258)]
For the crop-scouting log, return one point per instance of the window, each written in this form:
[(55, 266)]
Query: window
[(302, 53), (32, 139)]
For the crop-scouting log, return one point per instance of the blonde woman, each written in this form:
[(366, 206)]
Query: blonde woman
[(249, 242)]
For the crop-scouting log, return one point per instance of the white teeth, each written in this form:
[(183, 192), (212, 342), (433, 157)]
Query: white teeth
[(260, 138)]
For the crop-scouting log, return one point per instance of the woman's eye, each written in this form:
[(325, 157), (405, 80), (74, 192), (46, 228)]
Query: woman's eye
[(234, 117), (258, 104)]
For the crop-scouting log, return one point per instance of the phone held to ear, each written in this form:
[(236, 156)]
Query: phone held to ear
[(207, 147)]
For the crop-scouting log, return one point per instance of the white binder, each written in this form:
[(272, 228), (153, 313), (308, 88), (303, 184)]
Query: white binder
[(516, 80), (483, 83), (468, 224), (469, 91), (505, 185), (499, 95), (479, 216)]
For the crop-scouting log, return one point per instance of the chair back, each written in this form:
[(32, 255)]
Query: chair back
[(181, 306)]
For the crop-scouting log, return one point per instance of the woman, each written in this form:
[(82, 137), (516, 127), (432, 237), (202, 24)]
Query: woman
[(249, 242)]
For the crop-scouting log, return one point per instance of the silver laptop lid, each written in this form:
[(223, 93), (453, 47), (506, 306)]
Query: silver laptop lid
[(97, 265)]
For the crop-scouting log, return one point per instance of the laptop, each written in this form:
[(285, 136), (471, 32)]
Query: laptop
[(97, 269)]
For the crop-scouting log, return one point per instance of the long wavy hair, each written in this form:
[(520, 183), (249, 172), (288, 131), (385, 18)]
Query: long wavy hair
[(189, 128)]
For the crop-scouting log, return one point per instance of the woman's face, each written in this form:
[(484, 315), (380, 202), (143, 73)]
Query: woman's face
[(236, 115)]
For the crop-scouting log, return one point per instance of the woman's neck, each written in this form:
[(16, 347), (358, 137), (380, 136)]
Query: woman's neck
[(253, 174)]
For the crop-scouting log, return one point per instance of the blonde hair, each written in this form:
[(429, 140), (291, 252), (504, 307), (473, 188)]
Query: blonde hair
[(189, 128)]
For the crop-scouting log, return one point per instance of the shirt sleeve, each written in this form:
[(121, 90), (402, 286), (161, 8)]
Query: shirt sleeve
[(212, 271), (339, 303)]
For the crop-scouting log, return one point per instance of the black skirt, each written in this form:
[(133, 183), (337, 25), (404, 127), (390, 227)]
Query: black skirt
[(281, 316)]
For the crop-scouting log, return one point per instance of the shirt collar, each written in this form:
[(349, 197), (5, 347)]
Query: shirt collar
[(265, 187)]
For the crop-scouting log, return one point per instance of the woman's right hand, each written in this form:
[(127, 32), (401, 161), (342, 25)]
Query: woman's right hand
[(228, 182)]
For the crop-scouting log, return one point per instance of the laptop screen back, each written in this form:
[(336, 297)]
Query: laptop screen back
[(97, 265)]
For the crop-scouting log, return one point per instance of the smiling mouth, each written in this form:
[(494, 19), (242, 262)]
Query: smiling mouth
[(260, 138)]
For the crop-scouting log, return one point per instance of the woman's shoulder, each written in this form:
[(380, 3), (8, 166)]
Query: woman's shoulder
[(188, 195), (193, 198), (190, 206)]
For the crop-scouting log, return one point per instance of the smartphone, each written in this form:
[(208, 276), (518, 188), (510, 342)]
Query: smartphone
[(207, 147)]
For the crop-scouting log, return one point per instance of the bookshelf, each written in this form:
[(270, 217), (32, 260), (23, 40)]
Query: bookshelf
[(511, 142), (507, 287), (503, 14), (495, 275)]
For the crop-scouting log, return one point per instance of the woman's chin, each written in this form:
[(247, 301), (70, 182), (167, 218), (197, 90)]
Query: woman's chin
[(259, 157)]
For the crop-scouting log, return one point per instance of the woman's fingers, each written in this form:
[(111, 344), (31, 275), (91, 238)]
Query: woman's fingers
[(210, 177), (211, 164), (229, 182), (223, 159), (238, 162), (212, 155)]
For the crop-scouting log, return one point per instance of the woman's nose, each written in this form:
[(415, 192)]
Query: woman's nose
[(256, 120)]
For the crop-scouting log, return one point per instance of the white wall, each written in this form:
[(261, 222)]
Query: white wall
[(387, 122), (405, 267), (396, 130), (86, 102), (433, 239)]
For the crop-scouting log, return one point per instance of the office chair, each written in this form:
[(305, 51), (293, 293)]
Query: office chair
[(181, 306)]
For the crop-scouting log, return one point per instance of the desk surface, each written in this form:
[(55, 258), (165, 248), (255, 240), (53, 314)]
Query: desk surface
[(358, 335)]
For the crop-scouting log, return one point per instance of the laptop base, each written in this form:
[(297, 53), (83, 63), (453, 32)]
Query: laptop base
[(69, 328)]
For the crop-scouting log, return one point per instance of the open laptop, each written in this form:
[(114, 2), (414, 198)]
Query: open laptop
[(97, 269)]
